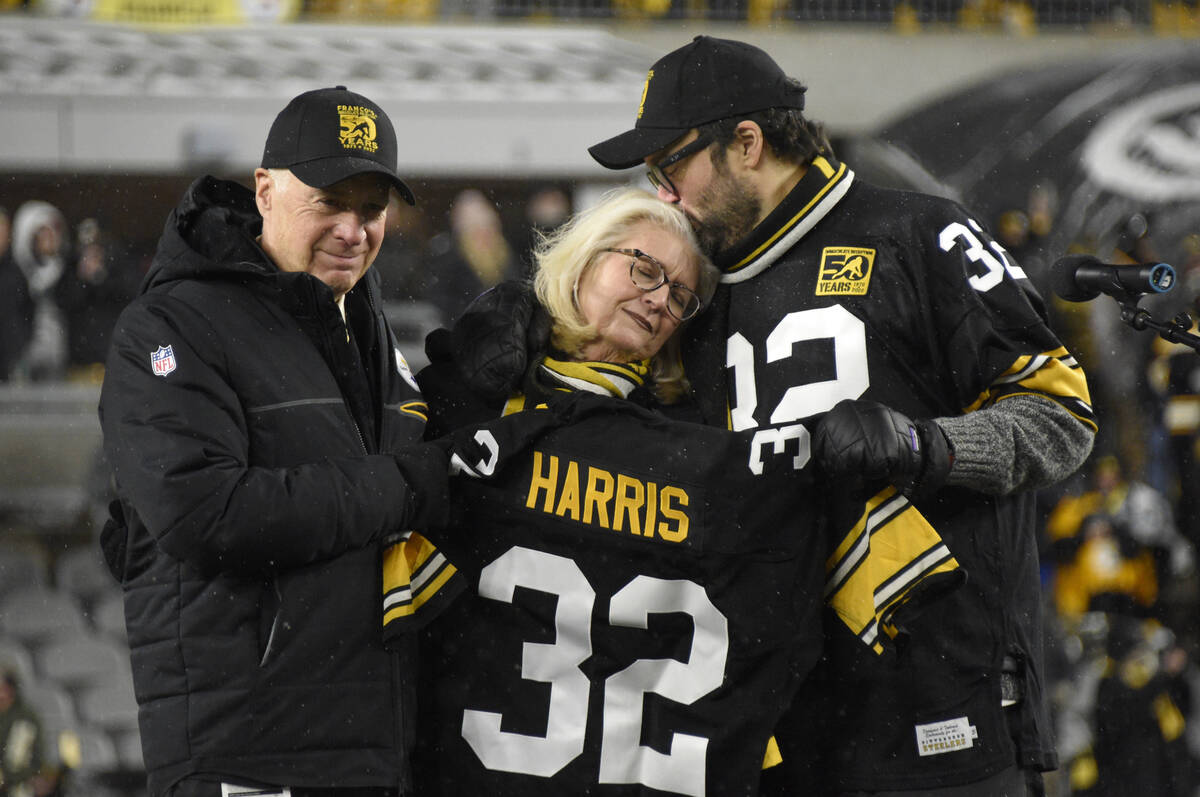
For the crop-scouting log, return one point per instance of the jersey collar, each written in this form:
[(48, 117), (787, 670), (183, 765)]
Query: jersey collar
[(821, 188)]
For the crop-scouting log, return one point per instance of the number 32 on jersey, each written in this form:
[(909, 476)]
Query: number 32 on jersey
[(623, 759)]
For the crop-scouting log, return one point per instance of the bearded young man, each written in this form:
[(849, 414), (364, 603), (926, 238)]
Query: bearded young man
[(892, 327)]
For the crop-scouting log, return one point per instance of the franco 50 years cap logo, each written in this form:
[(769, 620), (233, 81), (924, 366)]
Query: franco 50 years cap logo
[(645, 88), (357, 128)]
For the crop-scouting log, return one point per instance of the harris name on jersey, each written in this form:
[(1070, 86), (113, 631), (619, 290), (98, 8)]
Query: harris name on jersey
[(602, 498)]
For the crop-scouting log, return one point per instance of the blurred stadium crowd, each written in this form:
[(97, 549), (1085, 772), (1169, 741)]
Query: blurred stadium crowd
[(1022, 17), (1119, 541)]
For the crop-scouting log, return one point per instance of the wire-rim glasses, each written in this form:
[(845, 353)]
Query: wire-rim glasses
[(656, 172), (648, 274)]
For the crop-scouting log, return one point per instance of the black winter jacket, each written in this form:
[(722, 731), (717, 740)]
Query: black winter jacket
[(250, 439)]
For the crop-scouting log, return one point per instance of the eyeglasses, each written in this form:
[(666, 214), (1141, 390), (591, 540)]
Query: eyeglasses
[(656, 172), (649, 275)]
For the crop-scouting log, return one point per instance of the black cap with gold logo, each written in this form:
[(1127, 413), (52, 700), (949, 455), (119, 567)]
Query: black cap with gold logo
[(327, 135), (703, 81)]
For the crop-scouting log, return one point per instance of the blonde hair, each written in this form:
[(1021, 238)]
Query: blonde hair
[(564, 256)]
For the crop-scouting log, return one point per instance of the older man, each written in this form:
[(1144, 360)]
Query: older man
[(263, 429)]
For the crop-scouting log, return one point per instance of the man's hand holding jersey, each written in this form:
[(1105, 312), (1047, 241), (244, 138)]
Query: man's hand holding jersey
[(862, 444), (425, 467)]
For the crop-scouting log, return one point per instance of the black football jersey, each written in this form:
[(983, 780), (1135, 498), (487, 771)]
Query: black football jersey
[(849, 291), (641, 605)]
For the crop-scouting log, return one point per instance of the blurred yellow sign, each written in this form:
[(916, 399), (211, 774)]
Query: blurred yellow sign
[(188, 12)]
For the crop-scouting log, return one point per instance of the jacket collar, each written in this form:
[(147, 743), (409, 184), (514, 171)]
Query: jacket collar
[(817, 193)]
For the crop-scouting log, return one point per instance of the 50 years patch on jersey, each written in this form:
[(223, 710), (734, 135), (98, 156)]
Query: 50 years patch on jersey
[(845, 271)]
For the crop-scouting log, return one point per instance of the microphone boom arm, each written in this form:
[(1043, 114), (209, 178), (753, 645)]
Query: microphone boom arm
[(1177, 330)]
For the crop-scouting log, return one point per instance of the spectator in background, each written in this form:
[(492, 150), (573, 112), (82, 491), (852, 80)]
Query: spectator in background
[(546, 209), (1175, 378), (1139, 730), (22, 768), (1102, 568), (92, 295), (16, 308), (1116, 546), (469, 258), (40, 245), (401, 270)]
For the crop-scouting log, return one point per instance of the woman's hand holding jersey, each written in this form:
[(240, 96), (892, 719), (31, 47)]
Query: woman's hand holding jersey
[(499, 334)]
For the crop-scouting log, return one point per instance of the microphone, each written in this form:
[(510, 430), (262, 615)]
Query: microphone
[(1080, 278)]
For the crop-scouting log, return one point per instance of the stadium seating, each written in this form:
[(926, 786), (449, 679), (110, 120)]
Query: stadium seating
[(53, 705), (108, 615), (78, 662), (51, 439), (34, 614), (97, 751), (62, 631), (110, 706), (81, 572), (15, 656), (22, 566), (129, 749)]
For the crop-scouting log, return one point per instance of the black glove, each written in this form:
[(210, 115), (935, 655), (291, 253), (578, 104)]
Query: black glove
[(426, 469), (497, 336), (860, 443)]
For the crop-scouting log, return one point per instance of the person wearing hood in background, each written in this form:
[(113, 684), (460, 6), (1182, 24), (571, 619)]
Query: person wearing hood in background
[(16, 308), (39, 246), (263, 430)]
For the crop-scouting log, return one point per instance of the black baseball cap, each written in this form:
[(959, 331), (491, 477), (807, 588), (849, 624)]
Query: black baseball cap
[(701, 82), (327, 135)]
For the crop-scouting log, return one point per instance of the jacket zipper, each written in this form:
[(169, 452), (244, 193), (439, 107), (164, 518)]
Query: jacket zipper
[(269, 648), (362, 440)]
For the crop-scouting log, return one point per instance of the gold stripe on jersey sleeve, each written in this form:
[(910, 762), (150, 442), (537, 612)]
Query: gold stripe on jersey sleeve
[(414, 571), (1054, 374), (880, 565)]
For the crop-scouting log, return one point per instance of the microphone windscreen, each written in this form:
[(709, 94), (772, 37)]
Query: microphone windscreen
[(1062, 278)]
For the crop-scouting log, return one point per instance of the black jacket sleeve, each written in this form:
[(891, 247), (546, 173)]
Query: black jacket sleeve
[(179, 448)]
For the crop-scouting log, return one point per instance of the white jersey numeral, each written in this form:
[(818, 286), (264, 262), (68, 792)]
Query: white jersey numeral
[(623, 759), (995, 262), (556, 664), (849, 337)]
